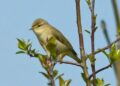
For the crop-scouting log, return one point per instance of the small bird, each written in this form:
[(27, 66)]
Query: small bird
[(45, 32)]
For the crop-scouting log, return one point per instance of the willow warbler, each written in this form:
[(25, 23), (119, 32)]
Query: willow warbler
[(45, 31)]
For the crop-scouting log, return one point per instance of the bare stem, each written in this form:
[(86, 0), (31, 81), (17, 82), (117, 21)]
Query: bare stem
[(79, 25), (71, 63), (107, 47), (51, 76), (81, 42), (93, 27), (104, 68)]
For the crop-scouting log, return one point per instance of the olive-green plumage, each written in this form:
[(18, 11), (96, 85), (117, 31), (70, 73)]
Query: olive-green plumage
[(44, 32)]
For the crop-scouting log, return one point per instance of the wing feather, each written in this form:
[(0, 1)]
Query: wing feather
[(59, 36)]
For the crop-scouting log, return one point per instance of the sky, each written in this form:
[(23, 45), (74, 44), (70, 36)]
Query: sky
[(16, 17)]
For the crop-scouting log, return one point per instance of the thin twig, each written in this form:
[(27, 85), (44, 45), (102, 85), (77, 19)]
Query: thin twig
[(72, 63), (93, 27), (106, 67), (107, 47), (52, 76), (81, 42), (49, 70)]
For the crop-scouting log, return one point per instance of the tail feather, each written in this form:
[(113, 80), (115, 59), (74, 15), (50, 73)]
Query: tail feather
[(75, 57), (72, 54)]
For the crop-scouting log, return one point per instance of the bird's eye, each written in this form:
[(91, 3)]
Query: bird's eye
[(39, 25)]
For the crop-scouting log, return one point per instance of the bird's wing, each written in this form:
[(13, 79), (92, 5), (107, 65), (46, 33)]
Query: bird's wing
[(59, 36)]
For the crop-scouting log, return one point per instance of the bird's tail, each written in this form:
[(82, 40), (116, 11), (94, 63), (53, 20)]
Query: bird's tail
[(72, 54), (75, 57)]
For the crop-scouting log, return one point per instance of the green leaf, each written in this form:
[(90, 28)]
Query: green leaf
[(92, 60), (49, 84), (45, 75), (87, 31), (118, 53), (67, 82), (59, 76), (114, 54), (20, 52), (55, 73), (28, 46), (89, 2), (21, 44), (113, 50), (32, 52), (107, 85), (94, 18), (99, 82), (43, 59), (83, 76), (61, 81), (107, 55)]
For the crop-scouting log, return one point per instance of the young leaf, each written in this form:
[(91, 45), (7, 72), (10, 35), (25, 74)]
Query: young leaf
[(59, 76), (55, 73), (107, 55), (83, 76), (92, 60), (87, 31), (21, 44), (49, 84), (61, 81), (67, 82), (114, 54), (113, 50), (89, 2), (20, 52), (99, 82), (43, 60), (45, 75), (107, 85)]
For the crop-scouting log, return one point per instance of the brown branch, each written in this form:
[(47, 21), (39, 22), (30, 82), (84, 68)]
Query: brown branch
[(93, 27), (52, 76), (81, 42), (79, 25), (71, 63), (105, 48), (106, 67), (49, 70)]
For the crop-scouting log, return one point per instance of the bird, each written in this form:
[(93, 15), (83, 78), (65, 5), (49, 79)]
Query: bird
[(45, 33)]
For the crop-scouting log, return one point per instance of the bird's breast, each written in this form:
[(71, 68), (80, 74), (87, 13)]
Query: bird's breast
[(44, 36)]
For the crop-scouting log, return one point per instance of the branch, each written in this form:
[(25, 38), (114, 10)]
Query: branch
[(51, 75), (67, 62), (81, 42), (93, 28), (107, 47), (79, 25), (104, 68)]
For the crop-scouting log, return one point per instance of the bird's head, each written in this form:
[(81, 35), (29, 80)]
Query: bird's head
[(38, 23)]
